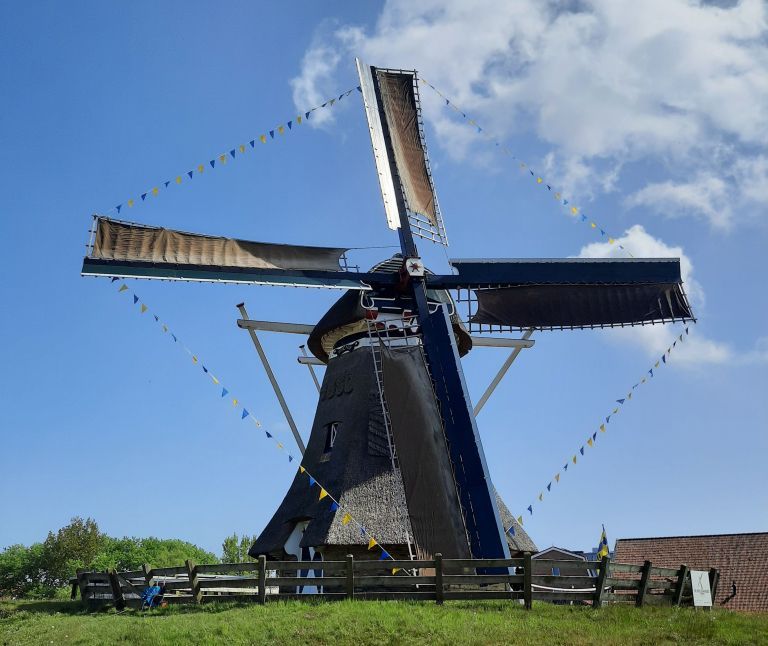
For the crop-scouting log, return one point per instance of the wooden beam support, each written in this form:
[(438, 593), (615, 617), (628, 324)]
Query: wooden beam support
[(262, 579), (194, 582), (439, 591), (117, 590), (528, 581), (350, 576), (645, 578), (681, 577), (605, 566)]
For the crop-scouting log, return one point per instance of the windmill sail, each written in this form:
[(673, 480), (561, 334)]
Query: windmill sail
[(140, 251), (394, 122)]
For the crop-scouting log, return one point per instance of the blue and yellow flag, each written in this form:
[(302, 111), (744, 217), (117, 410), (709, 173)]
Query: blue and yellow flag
[(602, 548)]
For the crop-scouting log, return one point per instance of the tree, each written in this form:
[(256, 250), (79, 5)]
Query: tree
[(74, 546), (235, 550)]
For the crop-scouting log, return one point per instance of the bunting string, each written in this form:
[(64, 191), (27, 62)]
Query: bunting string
[(566, 204), (217, 161), (591, 440), (244, 413)]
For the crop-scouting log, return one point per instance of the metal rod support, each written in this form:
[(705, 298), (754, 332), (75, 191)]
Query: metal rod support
[(273, 381), (309, 365), (500, 375)]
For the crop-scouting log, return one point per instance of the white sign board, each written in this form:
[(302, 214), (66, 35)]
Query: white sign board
[(702, 595)]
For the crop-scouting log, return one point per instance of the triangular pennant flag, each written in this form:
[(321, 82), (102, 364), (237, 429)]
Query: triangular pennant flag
[(664, 358), (680, 338), (118, 207), (144, 308), (581, 450), (212, 163), (656, 365), (594, 435), (234, 402), (346, 519), (190, 173), (629, 395), (301, 469), (539, 180), (156, 190), (281, 129), (593, 225), (602, 232), (372, 543), (574, 459), (306, 114), (511, 530), (565, 467), (565, 202), (223, 159), (549, 487), (272, 134), (143, 196), (232, 153), (157, 318), (395, 570), (674, 343), (614, 411), (130, 203), (224, 392), (541, 495), (135, 299), (290, 458), (201, 168), (289, 124), (252, 142), (650, 372), (608, 419), (574, 210), (323, 493), (123, 288), (530, 508), (245, 414), (269, 435), (686, 331), (279, 445), (298, 120), (557, 477), (113, 279), (174, 337), (602, 428), (520, 520), (590, 441), (359, 89), (263, 138), (621, 401), (384, 555), (194, 359), (312, 481), (204, 368), (334, 506)]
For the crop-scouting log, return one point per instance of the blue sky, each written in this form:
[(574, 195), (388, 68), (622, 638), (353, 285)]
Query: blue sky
[(652, 118)]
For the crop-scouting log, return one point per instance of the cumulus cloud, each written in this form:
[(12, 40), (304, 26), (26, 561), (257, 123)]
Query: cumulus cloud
[(655, 339), (602, 84)]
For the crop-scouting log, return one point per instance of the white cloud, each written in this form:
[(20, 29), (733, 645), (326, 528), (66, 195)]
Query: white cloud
[(602, 83)]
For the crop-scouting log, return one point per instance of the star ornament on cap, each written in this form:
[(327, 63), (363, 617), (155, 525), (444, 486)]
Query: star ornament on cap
[(414, 267)]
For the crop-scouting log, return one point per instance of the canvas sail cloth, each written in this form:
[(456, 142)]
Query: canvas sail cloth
[(399, 105), (430, 491), (123, 241)]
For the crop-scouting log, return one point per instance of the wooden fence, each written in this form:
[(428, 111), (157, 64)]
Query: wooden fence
[(581, 582)]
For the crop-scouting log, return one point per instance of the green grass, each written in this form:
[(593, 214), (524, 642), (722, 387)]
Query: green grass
[(369, 622)]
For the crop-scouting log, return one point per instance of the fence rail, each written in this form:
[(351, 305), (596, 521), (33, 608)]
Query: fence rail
[(583, 582)]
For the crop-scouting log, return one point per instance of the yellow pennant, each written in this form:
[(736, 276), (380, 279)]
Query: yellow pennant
[(178, 179), (589, 441), (280, 446), (615, 410), (611, 241), (298, 119), (144, 308), (520, 520), (194, 359), (323, 493), (200, 168), (593, 225), (574, 459), (301, 469), (395, 570), (372, 543), (165, 327), (242, 148), (281, 129), (263, 139), (346, 519), (123, 287), (557, 477), (602, 428), (130, 203), (214, 379), (656, 365), (629, 395), (223, 159), (155, 190), (557, 196), (539, 180), (234, 402), (541, 496), (574, 210)]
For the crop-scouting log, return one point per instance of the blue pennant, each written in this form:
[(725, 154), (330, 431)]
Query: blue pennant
[(269, 435), (583, 218), (118, 207), (212, 163), (306, 114), (334, 506), (530, 508), (608, 419), (204, 368), (114, 278), (384, 555), (290, 458), (531, 172), (341, 96), (602, 233), (664, 358), (174, 337), (135, 299), (549, 188), (581, 450), (651, 372), (252, 142), (549, 487), (272, 134), (594, 436), (359, 89), (190, 173), (157, 319), (686, 330), (245, 414), (232, 152), (621, 401), (324, 104), (565, 467), (312, 481), (290, 124), (143, 196), (224, 392), (166, 184), (511, 530), (565, 202)]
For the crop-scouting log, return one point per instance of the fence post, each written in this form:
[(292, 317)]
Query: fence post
[(714, 579), (645, 578), (82, 583), (527, 581), (681, 576), (605, 566), (262, 579), (117, 591), (147, 570), (194, 582), (350, 576), (439, 578)]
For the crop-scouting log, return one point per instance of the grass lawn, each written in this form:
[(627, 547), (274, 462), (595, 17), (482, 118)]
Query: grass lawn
[(370, 622)]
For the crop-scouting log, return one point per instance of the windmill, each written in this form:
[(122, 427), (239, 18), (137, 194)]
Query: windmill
[(395, 433)]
